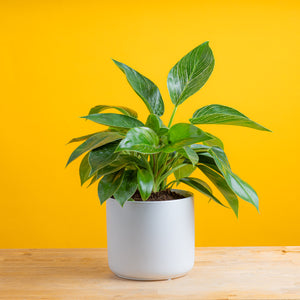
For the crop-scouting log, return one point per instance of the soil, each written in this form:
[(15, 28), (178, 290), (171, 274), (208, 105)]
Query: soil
[(159, 196)]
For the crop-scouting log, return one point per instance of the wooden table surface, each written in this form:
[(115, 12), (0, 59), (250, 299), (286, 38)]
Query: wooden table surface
[(219, 273)]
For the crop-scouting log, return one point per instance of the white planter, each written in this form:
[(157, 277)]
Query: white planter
[(151, 240)]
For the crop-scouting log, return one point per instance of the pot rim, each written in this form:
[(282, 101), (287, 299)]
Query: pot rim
[(184, 193)]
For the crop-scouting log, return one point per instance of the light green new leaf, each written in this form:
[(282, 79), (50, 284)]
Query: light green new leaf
[(240, 187), (224, 115), (109, 184), (102, 156), (96, 140), (218, 180), (184, 171), (124, 110), (145, 182), (84, 169), (190, 73), (184, 134), (190, 154), (127, 187), (145, 88), (201, 187), (114, 120), (140, 139)]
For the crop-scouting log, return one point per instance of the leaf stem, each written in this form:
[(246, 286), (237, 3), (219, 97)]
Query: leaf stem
[(169, 172), (172, 116), (170, 184)]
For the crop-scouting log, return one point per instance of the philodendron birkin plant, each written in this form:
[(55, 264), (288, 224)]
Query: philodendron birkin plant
[(137, 165), (131, 157)]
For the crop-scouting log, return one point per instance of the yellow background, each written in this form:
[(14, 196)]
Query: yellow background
[(55, 64)]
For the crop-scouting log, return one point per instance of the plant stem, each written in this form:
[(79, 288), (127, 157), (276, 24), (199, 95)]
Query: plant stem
[(169, 172), (154, 163), (172, 116), (170, 184)]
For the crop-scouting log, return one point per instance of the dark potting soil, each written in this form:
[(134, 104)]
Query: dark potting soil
[(159, 196)]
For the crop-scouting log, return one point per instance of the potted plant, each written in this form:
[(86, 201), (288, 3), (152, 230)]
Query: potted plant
[(150, 225)]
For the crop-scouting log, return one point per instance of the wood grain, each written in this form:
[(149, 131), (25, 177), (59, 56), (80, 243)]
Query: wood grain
[(219, 273)]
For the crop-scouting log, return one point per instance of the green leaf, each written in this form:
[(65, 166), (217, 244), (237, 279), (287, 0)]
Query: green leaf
[(115, 166), (184, 134), (219, 156), (201, 187), (127, 187), (82, 138), (134, 161), (163, 131), (145, 88), (84, 169), (218, 180), (220, 114), (207, 159), (190, 154), (94, 179), (124, 110), (121, 162), (120, 130), (200, 148), (184, 171), (190, 73), (140, 139), (154, 122), (240, 187), (96, 140), (145, 182), (109, 184), (114, 120), (214, 141), (102, 156)]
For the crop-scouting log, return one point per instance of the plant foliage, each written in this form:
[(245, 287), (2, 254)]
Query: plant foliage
[(131, 155)]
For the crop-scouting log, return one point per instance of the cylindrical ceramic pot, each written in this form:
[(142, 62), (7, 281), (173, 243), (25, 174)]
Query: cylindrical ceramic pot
[(151, 240)]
